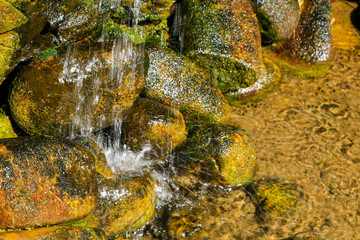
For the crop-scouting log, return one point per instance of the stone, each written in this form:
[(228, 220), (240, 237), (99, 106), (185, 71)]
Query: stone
[(55, 233), (11, 18), (45, 181), (9, 43), (173, 80), (124, 204), (83, 89), (223, 37), (217, 153), (150, 122), (277, 18), (6, 129), (312, 41)]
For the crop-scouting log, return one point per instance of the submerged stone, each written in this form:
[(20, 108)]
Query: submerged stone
[(312, 41), (221, 152), (173, 80), (150, 122), (223, 37), (271, 195), (9, 43), (83, 89), (277, 19), (55, 233), (124, 204), (11, 18), (45, 181)]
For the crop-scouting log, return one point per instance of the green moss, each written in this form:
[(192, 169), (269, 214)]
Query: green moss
[(11, 18), (50, 52), (267, 28)]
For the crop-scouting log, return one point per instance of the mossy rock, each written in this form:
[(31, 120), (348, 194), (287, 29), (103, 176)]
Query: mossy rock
[(124, 204), (45, 181), (6, 129), (271, 195), (277, 19), (49, 98), (173, 80), (9, 43), (223, 153), (75, 20), (223, 37), (150, 122), (269, 80), (55, 233), (312, 41), (11, 18)]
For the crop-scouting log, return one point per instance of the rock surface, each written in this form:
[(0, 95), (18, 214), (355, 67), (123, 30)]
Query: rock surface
[(223, 37), (83, 89), (221, 152), (9, 43), (11, 18), (45, 181), (124, 204), (6, 130), (150, 122), (173, 80)]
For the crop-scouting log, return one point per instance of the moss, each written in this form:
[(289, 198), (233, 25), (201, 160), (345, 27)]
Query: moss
[(50, 52), (267, 29), (9, 43), (11, 18), (6, 130)]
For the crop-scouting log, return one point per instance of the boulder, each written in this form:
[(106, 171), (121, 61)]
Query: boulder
[(124, 204), (223, 37), (82, 89), (9, 43), (11, 18), (150, 122), (55, 233), (217, 152), (74, 20), (312, 41), (277, 18), (45, 181), (173, 80)]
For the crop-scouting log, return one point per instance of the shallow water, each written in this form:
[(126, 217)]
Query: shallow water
[(306, 132)]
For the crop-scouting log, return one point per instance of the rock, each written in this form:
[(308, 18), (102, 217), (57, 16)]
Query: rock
[(41, 47), (173, 80), (277, 19), (152, 122), (9, 43), (124, 204), (6, 130), (271, 195), (74, 20), (55, 233), (222, 153), (45, 181), (223, 37), (85, 88), (11, 18), (312, 42)]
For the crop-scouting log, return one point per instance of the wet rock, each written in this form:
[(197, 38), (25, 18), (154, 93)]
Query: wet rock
[(45, 181), (271, 195), (222, 153), (6, 130), (223, 37), (312, 42), (9, 43), (150, 122), (173, 80), (55, 233), (124, 204), (41, 47), (277, 19), (74, 20), (11, 18), (85, 88)]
